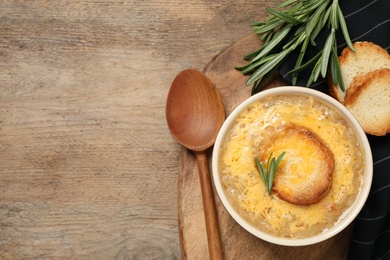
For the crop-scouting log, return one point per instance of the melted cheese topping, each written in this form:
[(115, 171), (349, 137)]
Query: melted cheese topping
[(247, 192)]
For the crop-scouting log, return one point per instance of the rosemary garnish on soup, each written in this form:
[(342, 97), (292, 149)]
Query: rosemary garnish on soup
[(267, 171)]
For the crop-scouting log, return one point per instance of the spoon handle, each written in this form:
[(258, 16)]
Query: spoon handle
[(210, 214)]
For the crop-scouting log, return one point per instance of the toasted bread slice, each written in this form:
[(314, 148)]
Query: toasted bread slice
[(368, 57), (304, 176), (368, 99)]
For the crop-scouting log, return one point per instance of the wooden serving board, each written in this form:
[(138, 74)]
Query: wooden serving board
[(237, 242)]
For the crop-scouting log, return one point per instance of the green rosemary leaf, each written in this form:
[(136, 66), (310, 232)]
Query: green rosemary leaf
[(315, 19), (294, 79), (268, 171), (307, 64), (267, 37), (287, 3), (295, 11), (314, 5), (317, 30), (333, 15), (317, 70), (279, 159), (300, 30), (298, 39), (333, 69), (324, 16), (267, 27), (284, 16), (268, 162), (258, 23), (336, 70), (269, 46), (260, 167), (315, 73), (258, 85), (271, 174), (242, 67), (344, 29), (267, 67), (300, 59), (252, 66), (326, 53), (310, 80), (251, 55)]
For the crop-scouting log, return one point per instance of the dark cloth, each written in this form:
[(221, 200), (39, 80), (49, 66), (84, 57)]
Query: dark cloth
[(371, 234), (367, 20)]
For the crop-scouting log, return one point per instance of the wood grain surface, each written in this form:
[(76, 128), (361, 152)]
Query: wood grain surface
[(88, 169), (237, 242)]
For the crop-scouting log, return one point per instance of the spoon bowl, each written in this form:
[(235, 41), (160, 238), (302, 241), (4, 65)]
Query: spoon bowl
[(195, 113), (194, 110)]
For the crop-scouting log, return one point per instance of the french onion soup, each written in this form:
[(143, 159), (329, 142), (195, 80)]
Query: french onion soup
[(318, 178)]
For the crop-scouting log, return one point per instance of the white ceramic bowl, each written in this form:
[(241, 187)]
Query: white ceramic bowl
[(351, 213)]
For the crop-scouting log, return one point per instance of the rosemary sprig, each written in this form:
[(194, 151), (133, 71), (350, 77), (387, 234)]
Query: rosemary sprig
[(267, 171), (305, 19)]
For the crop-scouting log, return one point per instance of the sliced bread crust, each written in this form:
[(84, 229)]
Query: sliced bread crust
[(368, 57), (368, 99)]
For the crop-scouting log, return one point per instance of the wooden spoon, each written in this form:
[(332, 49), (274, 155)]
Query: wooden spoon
[(195, 114)]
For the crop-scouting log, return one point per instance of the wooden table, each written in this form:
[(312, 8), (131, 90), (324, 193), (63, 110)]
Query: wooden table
[(88, 168)]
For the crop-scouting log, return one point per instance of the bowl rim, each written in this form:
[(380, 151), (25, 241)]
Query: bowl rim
[(351, 213)]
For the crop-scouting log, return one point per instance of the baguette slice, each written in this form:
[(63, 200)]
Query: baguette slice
[(368, 57), (368, 99), (304, 177)]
